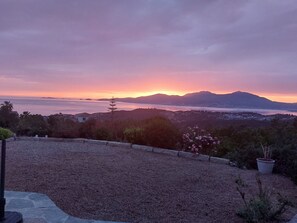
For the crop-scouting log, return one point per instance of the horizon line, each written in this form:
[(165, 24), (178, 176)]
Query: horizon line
[(269, 97)]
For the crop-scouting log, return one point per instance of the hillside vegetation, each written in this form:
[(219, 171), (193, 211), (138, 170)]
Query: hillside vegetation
[(237, 136)]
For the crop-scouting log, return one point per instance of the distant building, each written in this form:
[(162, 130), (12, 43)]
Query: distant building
[(82, 119)]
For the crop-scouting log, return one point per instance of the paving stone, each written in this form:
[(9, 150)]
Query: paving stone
[(201, 157), (143, 148), (80, 140), (71, 219), (37, 197), (41, 200), (29, 212), (20, 203), (119, 144), (43, 204), (186, 154), (97, 142), (39, 208), (15, 194), (219, 160), (34, 220), (54, 215), (165, 151)]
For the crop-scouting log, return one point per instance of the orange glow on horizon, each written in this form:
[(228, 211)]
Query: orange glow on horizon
[(96, 95), (282, 98)]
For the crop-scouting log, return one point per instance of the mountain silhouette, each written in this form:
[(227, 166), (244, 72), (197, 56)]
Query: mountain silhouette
[(208, 99)]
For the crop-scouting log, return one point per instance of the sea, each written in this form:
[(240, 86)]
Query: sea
[(49, 106)]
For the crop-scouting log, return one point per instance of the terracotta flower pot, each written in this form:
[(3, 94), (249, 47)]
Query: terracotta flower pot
[(265, 166)]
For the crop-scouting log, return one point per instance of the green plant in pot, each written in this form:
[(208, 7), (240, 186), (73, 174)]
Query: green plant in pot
[(265, 164)]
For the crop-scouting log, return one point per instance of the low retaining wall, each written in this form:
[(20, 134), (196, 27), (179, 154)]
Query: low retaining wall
[(168, 152)]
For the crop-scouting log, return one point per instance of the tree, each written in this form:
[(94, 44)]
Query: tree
[(112, 107), (62, 127), (31, 125), (8, 117), (7, 106), (87, 129)]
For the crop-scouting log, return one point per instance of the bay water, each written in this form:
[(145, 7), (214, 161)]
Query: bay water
[(48, 106)]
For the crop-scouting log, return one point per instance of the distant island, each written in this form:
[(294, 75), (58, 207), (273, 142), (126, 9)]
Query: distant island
[(49, 98), (236, 99)]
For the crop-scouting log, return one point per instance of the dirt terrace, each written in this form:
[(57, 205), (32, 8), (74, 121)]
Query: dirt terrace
[(120, 184)]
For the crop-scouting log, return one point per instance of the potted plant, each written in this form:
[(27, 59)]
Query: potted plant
[(265, 164)]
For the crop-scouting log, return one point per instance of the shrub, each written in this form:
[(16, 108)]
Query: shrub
[(245, 156), (261, 208), (197, 141), (286, 161), (5, 133), (103, 134), (134, 135), (161, 132)]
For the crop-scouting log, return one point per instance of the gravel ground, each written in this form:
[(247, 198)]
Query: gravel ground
[(120, 184)]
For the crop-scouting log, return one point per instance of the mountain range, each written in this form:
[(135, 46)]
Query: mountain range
[(208, 99)]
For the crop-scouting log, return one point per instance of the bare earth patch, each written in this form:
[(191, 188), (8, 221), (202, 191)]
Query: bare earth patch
[(120, 184)]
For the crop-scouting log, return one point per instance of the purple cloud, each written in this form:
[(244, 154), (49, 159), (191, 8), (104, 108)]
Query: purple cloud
[(218, 45)]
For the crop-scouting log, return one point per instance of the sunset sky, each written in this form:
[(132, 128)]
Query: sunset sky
[(104, 48)]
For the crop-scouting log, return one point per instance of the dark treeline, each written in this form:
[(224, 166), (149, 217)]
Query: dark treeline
[(154, 131), (240, 140)]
